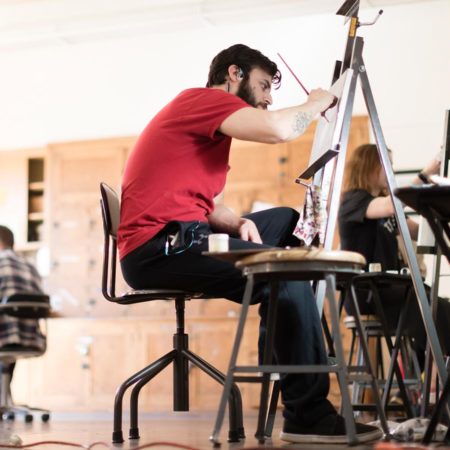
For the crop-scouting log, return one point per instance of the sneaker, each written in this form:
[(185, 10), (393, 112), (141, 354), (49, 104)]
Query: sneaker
[(330, 430)]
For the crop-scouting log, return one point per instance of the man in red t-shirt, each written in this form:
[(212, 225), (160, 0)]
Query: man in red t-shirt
[(171, 201)]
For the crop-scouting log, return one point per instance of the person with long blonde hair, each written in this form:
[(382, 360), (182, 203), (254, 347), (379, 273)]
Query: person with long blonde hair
[(366, 217)]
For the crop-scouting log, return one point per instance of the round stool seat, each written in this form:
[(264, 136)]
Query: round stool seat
[(312, 261), (10, 356), (368, 320)]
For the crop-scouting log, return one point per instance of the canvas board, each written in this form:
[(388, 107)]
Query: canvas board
[(328, 132)]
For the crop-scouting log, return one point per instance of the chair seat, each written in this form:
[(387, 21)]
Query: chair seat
[(11, 355), (367, 318), (141, 295), (369, 321)]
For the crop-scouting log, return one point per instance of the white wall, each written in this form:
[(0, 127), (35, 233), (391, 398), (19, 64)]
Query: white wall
[(113, 87)]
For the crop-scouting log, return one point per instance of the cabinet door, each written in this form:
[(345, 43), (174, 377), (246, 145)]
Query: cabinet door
[(14, 191), (212, 340), (156, 339), (113, 355), (77, 169), (58, 379), (85, 362), (76, 238)]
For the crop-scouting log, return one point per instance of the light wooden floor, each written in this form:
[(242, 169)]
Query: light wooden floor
[(190, 430)]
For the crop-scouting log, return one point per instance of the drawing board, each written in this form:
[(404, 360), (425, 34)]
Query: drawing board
[(328, 131)]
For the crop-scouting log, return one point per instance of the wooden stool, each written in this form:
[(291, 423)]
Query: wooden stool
[(297, 264)]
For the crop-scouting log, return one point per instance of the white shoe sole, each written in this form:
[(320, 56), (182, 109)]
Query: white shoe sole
[(323, 439)]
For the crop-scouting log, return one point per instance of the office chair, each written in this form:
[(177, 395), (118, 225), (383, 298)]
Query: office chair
[(23, 305), (179, 356)]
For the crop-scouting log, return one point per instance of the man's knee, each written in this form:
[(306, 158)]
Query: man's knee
[(296, 297), (286, 214)]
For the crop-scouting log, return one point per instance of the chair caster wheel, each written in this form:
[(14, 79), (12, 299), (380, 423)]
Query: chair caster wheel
[(45, 417), (28, 418)]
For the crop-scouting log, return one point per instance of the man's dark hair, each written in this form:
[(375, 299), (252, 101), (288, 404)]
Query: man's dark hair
[(6, 237), (245, 58)]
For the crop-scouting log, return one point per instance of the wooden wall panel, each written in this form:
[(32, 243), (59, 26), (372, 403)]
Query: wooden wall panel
[(89, 356), (266, 173)]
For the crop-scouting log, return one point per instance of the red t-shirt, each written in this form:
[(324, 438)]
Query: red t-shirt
[(178, 166)]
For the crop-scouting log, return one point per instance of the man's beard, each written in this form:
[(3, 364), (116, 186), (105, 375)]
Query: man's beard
[(245, 93)]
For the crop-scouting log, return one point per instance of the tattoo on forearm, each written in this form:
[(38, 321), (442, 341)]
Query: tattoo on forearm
[(301, 122)]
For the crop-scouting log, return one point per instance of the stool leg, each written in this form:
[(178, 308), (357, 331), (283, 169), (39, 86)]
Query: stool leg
[(394, 367), (272, 409), (342, 368), (357, 394), (368, 364), (267, 359), (214, 438), (352, 348)]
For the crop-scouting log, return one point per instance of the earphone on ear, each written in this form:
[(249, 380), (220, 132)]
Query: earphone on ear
[(240, 74)]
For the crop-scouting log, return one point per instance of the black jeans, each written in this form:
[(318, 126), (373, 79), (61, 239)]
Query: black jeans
[(298, 339)]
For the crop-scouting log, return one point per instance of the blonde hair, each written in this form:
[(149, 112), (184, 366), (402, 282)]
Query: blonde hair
[(361, 166)]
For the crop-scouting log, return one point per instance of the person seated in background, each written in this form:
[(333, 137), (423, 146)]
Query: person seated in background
[(367, 225), (17, 275)]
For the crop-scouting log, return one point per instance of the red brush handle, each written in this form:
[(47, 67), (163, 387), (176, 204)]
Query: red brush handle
[(293, 74)]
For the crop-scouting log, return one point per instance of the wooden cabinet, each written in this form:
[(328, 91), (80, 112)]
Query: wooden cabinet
[(22, 200), (36, 197), (87, 359), (266, 173), (76, 231), (84, 363), (96, 345)]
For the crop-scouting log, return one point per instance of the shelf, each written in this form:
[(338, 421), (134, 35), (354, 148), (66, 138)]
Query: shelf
[(31, 246), (36, 186), (36, 216), (36, 189)]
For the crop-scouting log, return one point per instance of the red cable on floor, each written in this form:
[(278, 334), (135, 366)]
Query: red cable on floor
[(95, 444)]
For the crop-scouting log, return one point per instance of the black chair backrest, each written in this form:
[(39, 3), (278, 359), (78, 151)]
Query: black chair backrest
[(110, 205), (26, 305), (110, 209)]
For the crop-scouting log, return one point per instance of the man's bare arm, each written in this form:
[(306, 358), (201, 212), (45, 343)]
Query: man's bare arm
[(224, 220), (258, 125)]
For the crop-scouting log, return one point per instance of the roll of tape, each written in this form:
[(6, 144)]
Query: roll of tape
[(426, 236)]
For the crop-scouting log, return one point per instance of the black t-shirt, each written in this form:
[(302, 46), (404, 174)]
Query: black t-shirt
[(373, 238)]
